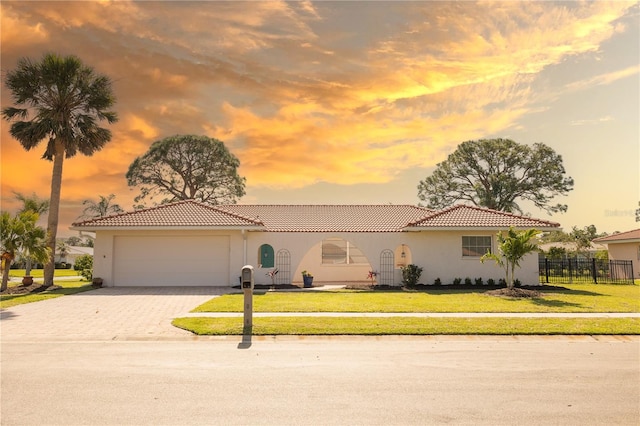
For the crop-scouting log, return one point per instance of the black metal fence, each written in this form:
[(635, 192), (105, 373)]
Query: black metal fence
[(585, 271)]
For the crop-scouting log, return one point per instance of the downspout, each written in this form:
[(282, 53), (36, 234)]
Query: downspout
[(244, 247)]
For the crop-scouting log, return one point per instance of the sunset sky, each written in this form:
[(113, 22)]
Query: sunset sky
[(346, 102)]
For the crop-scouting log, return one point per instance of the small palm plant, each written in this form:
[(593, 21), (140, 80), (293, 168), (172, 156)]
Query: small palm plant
[(512, 248), (20, 233)]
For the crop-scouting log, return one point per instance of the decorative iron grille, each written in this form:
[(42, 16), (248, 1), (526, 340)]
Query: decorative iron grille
[(385, 276), (283, 263)]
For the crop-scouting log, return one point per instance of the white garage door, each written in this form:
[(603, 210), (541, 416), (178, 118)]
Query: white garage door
[(171, 261)]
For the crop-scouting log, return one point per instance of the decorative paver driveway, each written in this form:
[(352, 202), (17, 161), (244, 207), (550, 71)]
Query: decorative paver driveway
[(106, 314)]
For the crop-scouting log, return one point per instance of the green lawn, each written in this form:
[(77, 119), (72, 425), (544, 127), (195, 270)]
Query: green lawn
[(68, 287), (39, 273), (409, 326), (571, 298)]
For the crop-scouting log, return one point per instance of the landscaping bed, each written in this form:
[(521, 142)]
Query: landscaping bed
[(28, 289)]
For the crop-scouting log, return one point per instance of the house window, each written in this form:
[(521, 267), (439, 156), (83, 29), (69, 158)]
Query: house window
[(265, 256), (475, 246), (336, 251)]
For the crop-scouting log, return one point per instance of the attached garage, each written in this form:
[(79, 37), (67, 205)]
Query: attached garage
[(171, 260), (179, 244)]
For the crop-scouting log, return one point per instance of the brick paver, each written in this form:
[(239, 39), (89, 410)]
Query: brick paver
[(106, 314)]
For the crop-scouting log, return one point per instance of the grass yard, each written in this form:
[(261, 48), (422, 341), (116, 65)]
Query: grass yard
[(68, 287), (39, 273), (410, 326), (567, 298)]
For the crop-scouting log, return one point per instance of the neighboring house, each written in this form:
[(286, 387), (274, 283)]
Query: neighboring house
[(74, 252), (571, 248), (187, 243), (624, 246)]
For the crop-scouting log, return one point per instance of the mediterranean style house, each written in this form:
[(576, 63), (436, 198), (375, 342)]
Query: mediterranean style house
[(187, 243), (624, 246)]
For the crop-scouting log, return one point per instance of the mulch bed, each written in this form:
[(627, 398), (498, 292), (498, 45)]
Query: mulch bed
[(28, 289), (514, 292)]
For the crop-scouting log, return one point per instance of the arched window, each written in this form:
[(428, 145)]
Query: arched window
[(265, 256)]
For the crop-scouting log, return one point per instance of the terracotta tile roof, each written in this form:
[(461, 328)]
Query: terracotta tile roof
[(331, 218), (463, 216), (621, 237), (311, 218), (179, 214)]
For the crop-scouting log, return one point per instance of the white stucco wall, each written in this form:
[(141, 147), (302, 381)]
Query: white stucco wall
[(439, 253)]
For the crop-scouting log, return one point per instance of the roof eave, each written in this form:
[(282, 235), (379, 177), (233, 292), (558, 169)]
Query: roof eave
[(164, 228), (473, 228), (625, 241)]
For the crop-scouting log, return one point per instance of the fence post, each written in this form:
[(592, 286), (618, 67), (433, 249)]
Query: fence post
[(546, 269), (613, 273), (594, 271), (570, 274)]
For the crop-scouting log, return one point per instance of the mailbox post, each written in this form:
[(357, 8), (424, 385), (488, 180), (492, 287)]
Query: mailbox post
[(247, 284)]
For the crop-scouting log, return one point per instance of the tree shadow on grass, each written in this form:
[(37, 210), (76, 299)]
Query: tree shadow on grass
[(550, 303), (563, 290)]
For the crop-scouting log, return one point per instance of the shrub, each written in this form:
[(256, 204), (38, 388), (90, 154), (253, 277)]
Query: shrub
[(502, 282), (491, 281), (479, 281), (467, 281), (437, 281), (87, 274), (517, 283), (83, 262), (411, 275), (457, 281)]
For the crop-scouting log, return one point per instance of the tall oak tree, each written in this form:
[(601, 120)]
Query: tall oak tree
[(497, 174), (187, 167)]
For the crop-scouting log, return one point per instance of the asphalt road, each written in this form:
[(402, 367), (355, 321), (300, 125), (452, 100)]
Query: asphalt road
[(323, 381)]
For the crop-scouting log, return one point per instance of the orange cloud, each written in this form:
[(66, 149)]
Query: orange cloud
[(304, 92), (17, 32)]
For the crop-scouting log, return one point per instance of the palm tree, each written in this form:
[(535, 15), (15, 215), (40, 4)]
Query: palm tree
[(101, 208), (512, 248), (33, 247), (63, 250), (35, 204), (20, 233), (32, 203), (66, 100)]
